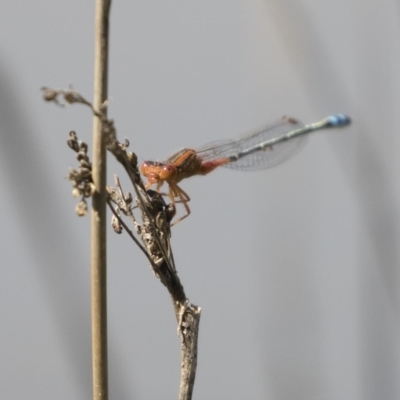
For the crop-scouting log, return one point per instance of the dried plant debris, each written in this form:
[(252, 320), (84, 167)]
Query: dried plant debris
[(154, 228), (70, 96), (81, 178), (116, 221)]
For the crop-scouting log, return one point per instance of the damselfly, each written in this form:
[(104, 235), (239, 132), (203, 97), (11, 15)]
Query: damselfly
[(262, 148)]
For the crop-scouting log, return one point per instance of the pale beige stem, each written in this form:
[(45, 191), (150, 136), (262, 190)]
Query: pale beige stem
[(98, 219)]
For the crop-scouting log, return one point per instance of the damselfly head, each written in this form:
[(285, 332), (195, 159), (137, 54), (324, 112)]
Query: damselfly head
[(156, 172)]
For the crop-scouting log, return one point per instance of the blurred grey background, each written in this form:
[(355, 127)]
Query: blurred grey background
[(295, 268)]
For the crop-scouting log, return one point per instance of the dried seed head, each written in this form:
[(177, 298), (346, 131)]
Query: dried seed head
[(72, 97), (128, 198), (81, 155), (73, 142), (132, 158), (72, 135), (85, 164), (84, 173), (83, 147), (116, 224), (76, 192), (89, 189), (72, 175), (49, 94), (81, 208)]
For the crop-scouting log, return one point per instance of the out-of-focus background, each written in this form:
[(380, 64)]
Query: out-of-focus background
[(295, 267)]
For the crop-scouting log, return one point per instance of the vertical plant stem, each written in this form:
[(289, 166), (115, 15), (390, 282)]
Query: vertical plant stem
[(98, 217)]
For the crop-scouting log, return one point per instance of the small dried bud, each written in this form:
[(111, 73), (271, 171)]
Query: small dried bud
[(72, 135), (81, 208), (85, 173), (89, 190), (132, 158), (72, 97), (83, 147), (76, 192), (73, 141), (86, 165), (128, 198), (49, 94), (72, 175), (116, 224), (81, 155)]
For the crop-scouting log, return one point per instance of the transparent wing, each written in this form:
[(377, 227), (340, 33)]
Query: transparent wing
[(263, 157)]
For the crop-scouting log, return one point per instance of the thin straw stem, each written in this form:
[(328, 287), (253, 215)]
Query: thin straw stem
[(98, 217)]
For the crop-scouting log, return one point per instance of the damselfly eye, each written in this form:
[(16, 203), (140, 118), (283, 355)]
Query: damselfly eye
[(144, 168), (167, 172)]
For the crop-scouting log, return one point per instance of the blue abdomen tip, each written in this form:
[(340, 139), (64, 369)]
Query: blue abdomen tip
[(339, 120)]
